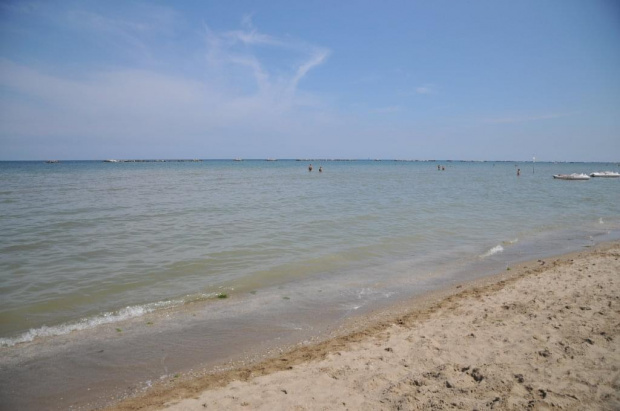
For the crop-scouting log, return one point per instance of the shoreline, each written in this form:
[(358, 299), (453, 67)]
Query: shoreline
[(104, 366), (181, 392)]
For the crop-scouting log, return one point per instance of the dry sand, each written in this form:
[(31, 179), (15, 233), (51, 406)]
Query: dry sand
[(543, 335)]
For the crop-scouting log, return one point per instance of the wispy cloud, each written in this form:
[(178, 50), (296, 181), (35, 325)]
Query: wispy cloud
[(425, 89), (119, 33), (244, 48), (524, 119), (317, 58), (238, 92), (133, 34)]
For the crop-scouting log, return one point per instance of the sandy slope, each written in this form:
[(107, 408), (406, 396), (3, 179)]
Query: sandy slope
[(547, 336)]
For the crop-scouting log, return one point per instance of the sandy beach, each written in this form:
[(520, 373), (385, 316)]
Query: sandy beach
[(542, 335)]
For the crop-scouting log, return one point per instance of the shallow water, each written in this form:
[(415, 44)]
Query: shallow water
[(88, 247)]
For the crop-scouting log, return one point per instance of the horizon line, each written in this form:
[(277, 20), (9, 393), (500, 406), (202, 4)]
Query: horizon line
[(145, 160)]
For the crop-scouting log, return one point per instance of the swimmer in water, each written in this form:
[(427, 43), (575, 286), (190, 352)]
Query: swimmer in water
[(310, 167), (320, 169)]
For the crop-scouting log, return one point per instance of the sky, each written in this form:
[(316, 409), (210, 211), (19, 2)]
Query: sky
[(462, 80)]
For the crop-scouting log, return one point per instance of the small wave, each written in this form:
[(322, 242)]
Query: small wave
[(510, 242), (85, 323), (600, 221), (494, 250), (349, 307)]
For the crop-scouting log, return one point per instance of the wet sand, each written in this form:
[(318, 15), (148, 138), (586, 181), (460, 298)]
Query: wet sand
[(542, 335)]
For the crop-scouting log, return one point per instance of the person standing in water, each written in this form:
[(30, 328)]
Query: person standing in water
[(310, 167), (320, 169), (518, 172)]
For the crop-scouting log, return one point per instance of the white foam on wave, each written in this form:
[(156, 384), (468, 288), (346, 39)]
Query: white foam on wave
[(510, 242), (494, 250), (85, 323), (600, 221)]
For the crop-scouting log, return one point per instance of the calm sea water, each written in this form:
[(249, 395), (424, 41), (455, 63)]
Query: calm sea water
[(85, 243), (110, 272)]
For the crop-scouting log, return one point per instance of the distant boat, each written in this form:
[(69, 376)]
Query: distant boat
[(238, 159), (271, 159), (110, 161), (574, 176), (52, 161), (608, 174)]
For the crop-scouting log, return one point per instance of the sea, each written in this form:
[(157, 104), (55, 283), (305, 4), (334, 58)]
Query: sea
[(115, 275)]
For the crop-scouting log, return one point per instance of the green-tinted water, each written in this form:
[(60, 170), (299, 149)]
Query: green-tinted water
[(86, 243)]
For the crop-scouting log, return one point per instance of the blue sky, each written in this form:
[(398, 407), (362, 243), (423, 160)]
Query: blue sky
[(493, 80)]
